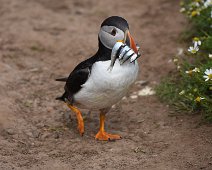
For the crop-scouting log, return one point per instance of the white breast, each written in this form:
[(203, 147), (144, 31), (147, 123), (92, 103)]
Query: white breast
[(105, 88)]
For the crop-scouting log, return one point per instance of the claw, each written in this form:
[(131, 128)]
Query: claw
[(102, 135)]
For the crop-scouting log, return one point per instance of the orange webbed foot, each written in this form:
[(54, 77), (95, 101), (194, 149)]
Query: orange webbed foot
[(103, 136)]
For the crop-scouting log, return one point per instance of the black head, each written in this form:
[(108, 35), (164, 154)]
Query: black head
[(114, 29), (117, 22)]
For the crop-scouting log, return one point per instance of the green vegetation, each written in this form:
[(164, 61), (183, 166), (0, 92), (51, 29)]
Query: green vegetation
[(190, 89)]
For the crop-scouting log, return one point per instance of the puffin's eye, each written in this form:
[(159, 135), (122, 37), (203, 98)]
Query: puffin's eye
[(113, 32)]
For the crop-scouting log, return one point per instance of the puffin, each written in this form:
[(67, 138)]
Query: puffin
[(104, 79)]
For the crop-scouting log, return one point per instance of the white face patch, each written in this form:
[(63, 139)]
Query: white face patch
[(109, 35)]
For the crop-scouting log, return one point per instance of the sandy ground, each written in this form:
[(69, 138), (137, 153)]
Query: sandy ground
[(44, 39)]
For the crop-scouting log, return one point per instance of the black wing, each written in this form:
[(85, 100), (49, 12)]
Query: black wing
[(77, 78)]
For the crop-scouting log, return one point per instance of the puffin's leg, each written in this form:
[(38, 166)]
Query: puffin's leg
[(102, 135), (79, 118)]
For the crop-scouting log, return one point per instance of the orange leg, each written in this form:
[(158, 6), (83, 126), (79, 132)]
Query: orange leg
[(79, 119), (102, 135)]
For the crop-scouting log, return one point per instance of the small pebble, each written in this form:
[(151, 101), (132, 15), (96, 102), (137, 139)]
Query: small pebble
[(124, 98), (49, 109), (40, 125), (45, 135), (114, 106), (170, 61), (34, 70), (141, 82), (10, 131), (35, 134), (179, 51), (138, 149), (134, 97), (147, 91), (56, 135)]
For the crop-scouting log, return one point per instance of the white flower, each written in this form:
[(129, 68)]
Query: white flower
[(207, 3), (196, 42), (197, 4), (210, 56), (189, 72), (193, 50), (182, 92), (178, 67), (182, 10), (196, 70), (175, 60), (194, 13), (208, 74), (198, 99)]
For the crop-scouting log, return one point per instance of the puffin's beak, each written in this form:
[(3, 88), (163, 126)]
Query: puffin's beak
[(129, 38)]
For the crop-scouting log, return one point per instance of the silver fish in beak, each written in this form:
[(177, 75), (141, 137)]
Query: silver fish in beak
[(116, 49), (124, 49)]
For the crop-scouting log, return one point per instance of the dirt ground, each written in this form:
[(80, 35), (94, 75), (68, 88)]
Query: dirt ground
[(45, 39)]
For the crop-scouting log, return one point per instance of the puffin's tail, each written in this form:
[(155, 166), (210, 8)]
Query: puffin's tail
[(62, 98), (64, 79)]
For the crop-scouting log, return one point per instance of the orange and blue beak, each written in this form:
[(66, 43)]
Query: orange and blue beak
[(128, 39), (132, 43)]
